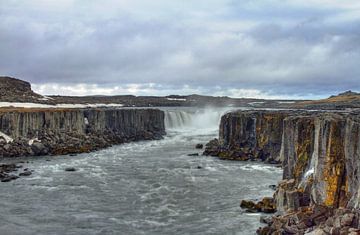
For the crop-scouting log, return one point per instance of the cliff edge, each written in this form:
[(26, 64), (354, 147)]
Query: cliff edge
[(320, 156), (34, 132)]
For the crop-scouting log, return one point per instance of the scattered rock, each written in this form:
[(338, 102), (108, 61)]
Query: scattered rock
[(266, 205), (25, 173), (273, 187), (193, 154), (347, 219), (199, 146), (39, 148), (9, 178), (266, 220), (70, 169)]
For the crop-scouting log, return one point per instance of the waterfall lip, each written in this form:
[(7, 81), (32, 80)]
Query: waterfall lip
[(183, 119)]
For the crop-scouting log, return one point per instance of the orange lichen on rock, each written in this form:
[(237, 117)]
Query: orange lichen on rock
[(335, 170), (304, 145)]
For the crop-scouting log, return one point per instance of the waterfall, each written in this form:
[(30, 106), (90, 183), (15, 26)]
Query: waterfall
[(177, 119), (199, 119), (311, 168)]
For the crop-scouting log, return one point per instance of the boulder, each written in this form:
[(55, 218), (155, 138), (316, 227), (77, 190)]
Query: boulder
[(25, 173), (39, 148), (266, 205), (70, 169), (199, 146), (193, 154)]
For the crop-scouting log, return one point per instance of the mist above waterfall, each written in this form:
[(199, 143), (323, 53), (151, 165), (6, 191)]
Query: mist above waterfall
[(199, 119)]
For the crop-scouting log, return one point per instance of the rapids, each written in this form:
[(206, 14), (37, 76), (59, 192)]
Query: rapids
[(151, 187)]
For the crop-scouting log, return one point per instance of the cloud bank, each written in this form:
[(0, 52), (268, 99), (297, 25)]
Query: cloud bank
[(265, 49)]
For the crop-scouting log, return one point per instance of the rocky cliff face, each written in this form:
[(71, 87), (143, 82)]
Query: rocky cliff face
[(320, 155), (62, 131), (249, 135)]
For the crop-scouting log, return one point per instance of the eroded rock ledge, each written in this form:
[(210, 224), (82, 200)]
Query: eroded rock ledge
[(31, 132), (320, 155)]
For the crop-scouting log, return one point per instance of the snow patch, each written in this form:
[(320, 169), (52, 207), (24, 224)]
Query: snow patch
[(176, 99), (37, 105), (286, 102), (33, 140), (45, 98), (256, 103), (7, 138)]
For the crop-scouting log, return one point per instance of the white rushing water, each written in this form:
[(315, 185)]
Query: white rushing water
[(204, 120), (148, 187)]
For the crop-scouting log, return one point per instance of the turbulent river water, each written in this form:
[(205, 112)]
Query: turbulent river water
[(151, 187)]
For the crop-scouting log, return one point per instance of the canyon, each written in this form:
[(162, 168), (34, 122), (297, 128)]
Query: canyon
[(318, 151)]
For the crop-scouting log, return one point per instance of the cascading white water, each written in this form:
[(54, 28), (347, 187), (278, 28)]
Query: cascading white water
[(314, 157), (177, 119), (200, 119)]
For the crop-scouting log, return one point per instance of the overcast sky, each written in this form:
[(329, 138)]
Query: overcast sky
[(239, 48)]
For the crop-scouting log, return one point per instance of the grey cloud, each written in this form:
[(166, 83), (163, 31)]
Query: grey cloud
[(308, 55)]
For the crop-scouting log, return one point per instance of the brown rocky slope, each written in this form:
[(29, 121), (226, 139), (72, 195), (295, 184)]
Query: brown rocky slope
[(15, 90)]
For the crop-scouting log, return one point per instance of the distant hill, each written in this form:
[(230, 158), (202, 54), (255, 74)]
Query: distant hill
[(15, 90), (348, 99)]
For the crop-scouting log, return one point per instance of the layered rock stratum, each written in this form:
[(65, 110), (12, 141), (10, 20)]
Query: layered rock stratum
[(320, 155)]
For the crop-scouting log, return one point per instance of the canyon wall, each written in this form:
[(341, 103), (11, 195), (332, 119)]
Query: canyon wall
[(249, 135), (320, 156), (63, 131)]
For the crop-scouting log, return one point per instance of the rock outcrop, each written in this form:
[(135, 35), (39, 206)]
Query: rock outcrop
[(15, 90), (249, 135), (320, 155), (64, 131)]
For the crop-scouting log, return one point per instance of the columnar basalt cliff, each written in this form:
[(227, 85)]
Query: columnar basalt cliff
[(320, 155), (27, 132), (249, 135)]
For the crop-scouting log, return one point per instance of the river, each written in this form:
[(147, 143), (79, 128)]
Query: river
[(149, 187)]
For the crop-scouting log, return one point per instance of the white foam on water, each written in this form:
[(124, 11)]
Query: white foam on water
[(260, 167)]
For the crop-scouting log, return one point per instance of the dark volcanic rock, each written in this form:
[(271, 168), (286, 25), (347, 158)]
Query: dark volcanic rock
[(193, 154), (25, 173), (249, 135), (7, 172), (72, 131), (199, 146), (266, 205), (70, 169), (319, 152)]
